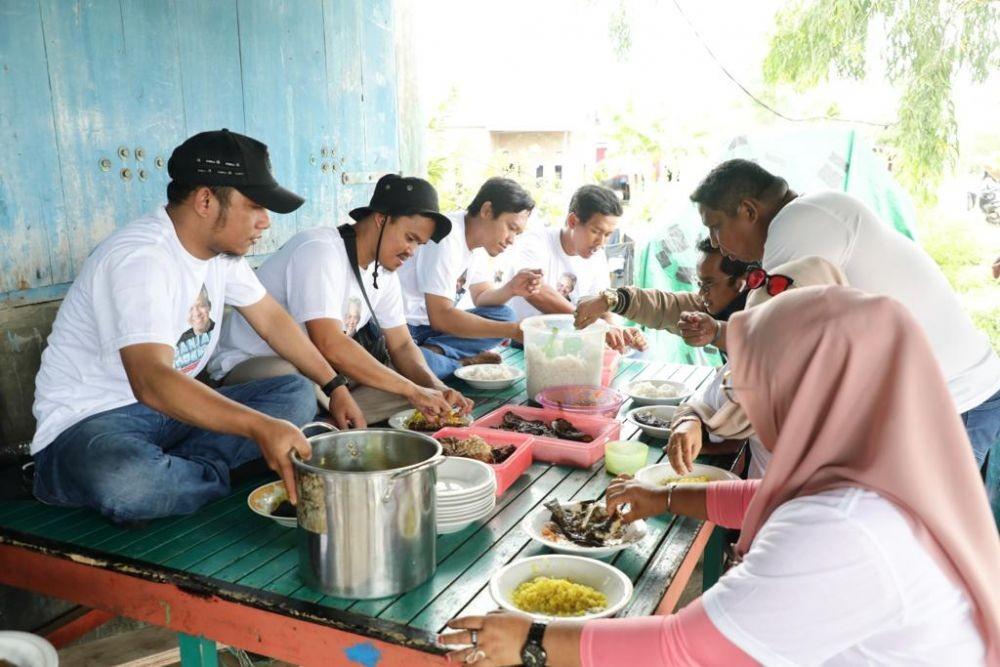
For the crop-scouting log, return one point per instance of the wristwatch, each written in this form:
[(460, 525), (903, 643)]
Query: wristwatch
[(532, 654), (337, 381), (610, 298)]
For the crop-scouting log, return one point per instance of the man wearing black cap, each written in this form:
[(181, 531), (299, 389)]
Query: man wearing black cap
[(123, 426), (321, 275)]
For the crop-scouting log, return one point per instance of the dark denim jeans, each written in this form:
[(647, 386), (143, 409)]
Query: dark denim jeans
[(134, 464), (982, 423), (454, 348)]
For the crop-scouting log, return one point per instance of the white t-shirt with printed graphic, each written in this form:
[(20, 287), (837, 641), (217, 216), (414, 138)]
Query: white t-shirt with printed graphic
[(437, 268), (311, 277), (138, 286), (571, 275)]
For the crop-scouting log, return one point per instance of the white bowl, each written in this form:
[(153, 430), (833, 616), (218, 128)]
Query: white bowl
[(461, 478), (656, 473), (264, 499), (534, 522), (455, 513), (398, 420), (27, 650), (665, 412), (683, 392), (448, 526), (610, 581), (465, 372)]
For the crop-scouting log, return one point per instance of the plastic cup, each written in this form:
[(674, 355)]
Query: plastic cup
[(625, 457)]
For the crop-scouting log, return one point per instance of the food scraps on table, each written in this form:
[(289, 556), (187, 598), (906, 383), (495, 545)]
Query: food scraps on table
[(474, 447), (418, 421), (558, 597), (559, 428)]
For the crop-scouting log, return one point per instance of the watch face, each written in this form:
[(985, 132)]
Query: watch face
[(533, 655)]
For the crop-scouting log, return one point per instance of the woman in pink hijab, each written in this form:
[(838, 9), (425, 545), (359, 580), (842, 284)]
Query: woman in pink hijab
[(868, 541)]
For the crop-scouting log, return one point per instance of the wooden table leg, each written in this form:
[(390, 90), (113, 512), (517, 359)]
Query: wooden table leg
[(197, 651)]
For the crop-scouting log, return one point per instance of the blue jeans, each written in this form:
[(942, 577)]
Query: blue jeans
[(982, 423), (134, 463), (454, 348)]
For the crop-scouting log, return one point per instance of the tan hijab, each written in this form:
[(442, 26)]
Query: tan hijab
[(844, 390), (729, 421)]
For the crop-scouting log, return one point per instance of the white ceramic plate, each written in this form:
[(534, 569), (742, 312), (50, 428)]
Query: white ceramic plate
[(665, 412), (265, 498), (398, 420), (455, 513), (27, 650), (453, 526), (683, 391), (656, 473), (459, 477), (465, 372), (610, 581), (536, 520)]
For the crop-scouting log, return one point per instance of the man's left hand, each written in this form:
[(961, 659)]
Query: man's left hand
[(459, 401), (345, 411)]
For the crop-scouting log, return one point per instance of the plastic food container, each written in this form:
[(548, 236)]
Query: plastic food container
[(515, 465), (583, 399), (612, 362), (555, 450), (556, 353), (625, 457)]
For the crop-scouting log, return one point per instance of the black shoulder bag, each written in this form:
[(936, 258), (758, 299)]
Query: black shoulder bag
[(369, 336)]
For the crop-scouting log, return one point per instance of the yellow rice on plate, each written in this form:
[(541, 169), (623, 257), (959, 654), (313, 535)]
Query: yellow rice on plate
[(694, 479), (558, 597)]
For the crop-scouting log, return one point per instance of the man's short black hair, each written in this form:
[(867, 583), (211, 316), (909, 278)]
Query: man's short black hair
[(733, 268), (591, 200), (733, 181), (506, 196)]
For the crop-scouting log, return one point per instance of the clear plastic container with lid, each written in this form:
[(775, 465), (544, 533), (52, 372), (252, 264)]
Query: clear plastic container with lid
[(556, 353)]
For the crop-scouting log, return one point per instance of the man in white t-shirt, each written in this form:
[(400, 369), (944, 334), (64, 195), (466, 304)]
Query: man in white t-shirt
[(572, 260), (753, 216), (313, 276), (449, 336), (123, 425)]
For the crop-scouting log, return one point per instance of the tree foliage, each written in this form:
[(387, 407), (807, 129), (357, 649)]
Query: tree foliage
[(928, 45)]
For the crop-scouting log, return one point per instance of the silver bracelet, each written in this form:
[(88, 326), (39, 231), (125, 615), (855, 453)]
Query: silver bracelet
[(670, 495)]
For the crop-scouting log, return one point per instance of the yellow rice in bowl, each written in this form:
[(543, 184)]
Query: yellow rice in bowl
[(694, 479), (557, 597)]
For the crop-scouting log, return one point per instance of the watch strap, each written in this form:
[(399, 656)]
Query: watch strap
[(337, 381)]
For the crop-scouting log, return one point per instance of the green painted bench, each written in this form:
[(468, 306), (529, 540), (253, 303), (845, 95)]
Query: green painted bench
[(225, 574)]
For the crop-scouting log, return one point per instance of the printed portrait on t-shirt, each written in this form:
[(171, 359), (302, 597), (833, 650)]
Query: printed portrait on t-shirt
[(193, 343), (566, 285), (352, 316)]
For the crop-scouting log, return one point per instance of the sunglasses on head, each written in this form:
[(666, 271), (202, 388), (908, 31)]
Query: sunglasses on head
[(775, 284)]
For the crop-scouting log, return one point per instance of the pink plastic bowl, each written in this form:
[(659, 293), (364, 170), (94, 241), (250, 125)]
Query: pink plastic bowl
[(582, 399)]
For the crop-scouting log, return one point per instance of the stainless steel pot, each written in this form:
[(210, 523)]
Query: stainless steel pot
[(366, 511)]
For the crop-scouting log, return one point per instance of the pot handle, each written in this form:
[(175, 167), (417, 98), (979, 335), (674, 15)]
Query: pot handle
[(429, 463), (330, 428)]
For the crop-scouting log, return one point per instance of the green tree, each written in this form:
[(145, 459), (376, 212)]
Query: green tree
[(929, 44)]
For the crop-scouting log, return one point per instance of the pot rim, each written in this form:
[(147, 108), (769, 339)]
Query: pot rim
[(298, 463)]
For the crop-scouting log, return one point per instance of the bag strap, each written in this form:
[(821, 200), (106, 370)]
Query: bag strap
[(351, 245)]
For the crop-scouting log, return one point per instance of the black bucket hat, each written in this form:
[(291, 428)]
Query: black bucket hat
[(398, 195), (221, 157)]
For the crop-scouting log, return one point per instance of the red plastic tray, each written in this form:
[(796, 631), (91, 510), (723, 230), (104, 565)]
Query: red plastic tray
[(609, 369), (555, 450), (508, 471)]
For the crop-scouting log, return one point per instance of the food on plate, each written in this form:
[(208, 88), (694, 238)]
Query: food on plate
[(586, 524), (647, 418), (474, 447), (284, 509), (693, 479), (418, 421), (561, 429), (650, 390), (490, 372), (558, 597)]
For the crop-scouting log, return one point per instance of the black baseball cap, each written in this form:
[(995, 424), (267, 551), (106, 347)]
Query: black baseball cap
[(398, 195), (221, 157)]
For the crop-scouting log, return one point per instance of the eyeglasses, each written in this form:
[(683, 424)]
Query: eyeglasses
[(775, 284)]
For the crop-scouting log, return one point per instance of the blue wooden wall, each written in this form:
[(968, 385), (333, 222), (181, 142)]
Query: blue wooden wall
[(94, 95)]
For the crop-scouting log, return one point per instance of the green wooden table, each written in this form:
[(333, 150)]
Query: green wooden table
[(226, 574)]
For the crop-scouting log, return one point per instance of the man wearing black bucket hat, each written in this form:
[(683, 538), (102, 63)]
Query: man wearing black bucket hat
[(123, 426), (340, 284)]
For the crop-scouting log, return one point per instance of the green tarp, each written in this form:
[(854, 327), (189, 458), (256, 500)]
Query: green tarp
[(809, 160)]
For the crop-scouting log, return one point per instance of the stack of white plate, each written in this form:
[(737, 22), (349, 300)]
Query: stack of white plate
[(466, 493)]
